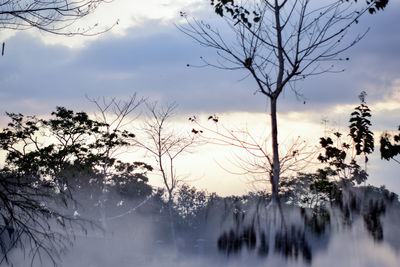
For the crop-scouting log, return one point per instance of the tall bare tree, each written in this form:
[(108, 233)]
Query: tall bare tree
[(278, 43), (165, 144)]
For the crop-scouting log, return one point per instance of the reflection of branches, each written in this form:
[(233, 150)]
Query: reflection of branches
[(259, 225), (256, 162), (29, 216)]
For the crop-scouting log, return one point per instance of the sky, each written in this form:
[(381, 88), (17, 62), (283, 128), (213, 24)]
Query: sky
[(146, 54)]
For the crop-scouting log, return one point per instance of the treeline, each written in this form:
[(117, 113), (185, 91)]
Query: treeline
[(64, 172)]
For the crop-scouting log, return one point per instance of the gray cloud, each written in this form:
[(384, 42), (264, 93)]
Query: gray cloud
[(152, 61)]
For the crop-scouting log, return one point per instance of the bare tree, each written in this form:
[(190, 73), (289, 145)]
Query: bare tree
[(256, 161), (165, 145), (114, 140), (54, 16), (285, 42)]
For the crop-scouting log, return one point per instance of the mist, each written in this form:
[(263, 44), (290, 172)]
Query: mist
[(231, 231)]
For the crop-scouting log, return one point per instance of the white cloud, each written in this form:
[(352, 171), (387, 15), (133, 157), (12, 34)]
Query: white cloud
[(127, 13)]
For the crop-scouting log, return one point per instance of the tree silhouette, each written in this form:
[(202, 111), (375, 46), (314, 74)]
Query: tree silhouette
[(284, 42), (34, 182), (54, 16), (114, 139), (341, 155), (256, 161), (165, 145), (50, 162), (390, 146)]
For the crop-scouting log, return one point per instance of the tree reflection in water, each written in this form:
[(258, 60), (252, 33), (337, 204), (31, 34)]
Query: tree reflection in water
[(262, 227)]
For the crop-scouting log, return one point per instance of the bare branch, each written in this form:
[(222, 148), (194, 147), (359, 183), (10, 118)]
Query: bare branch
[(53, 16)]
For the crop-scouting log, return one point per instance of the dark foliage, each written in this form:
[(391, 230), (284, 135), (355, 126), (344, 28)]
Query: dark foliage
[(49, 164), (130, 183), (30, 208), (292, 243), (359, 128), (390, 146), (336, 152), (248, 16), (376, 208), (237, 12)]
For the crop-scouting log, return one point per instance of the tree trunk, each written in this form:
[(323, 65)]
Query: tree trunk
[(274, 176), (171, 220), (276, 167)]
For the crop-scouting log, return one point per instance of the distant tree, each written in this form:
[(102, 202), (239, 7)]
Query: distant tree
[(189, 204), (255, 160), (130, 183), (337, 151), (127, 184), (50, 148), (114, 139), (165, 145), (279, 43), (127, 191)]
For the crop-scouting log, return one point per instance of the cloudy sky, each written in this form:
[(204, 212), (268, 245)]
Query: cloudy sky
[(146, 53)]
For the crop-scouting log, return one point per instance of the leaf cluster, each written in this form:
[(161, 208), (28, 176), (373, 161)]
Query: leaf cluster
[(390, 146), (359, 129), (237, 12), (130, 179), (244, 15)]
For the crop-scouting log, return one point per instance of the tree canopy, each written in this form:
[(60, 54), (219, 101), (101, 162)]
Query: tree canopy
[(52, 161)]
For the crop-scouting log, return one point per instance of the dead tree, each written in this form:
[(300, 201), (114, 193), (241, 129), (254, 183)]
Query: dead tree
[(114, 139), (278, 43), (165, 145), (256, 161)]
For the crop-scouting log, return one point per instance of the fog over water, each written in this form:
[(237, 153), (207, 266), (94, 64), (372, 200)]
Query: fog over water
[(139, 235)]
